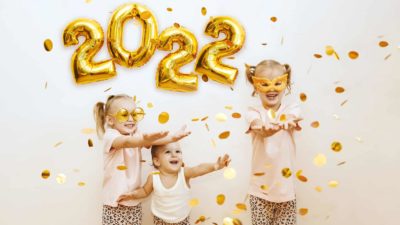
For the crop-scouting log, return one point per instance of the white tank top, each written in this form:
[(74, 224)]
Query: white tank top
[(170, 204)]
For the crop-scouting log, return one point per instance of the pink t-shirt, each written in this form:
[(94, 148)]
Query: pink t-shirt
[(122, 171), (271, 155)]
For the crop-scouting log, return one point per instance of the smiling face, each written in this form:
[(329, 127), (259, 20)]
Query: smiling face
[(270, 84), (118, 109), (168, 158)]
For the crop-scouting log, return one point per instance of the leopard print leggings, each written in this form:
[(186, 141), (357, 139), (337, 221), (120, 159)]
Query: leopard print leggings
[(122, 215), (264, 212), (159, 221)]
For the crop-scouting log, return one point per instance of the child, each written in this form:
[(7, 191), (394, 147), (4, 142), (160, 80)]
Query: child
[(122, 156), (170, 200), (271, 125)]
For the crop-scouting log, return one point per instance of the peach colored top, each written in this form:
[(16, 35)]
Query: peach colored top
[(118, 180), (271, 155)]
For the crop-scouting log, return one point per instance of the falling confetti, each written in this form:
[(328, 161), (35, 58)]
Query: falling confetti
[(220, 199), (359, 139), (45, 174), (88, 1), (318, 56), (200, 219), (58, 144), (303, 211), (204, 118), (264, 187), (282, 118), (336, 55), (264, 44), (329, 50), (208, 128), (214, 145), (259, 174), (318, 188), (169, 9), (344, 102), (229, 173), (230, 221), (228, 107), (353, 55), (315, 124), (163, 117), (333, 183), (45, 85), (303, 97), (339, 90), (121, 167), (300, 176), (274, 19), (48, 45), (320, 160), (286, 172), (195, 119), (383, 44), (241, 206), (388, 56), (90, 143), (336, 116), (203, 11), (81, 184), (61, 178), (221, 117), (224, 135), (150, 105), (271, 114), (194, 202), (177, 25), (107, 89), (88, 131), (204, 78), (341, 163), (236, 115), (336, 146)]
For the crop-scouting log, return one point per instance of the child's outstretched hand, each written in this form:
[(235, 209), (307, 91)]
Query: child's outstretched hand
[(222, 162), (181, 133), (150, 137), (291, 123)]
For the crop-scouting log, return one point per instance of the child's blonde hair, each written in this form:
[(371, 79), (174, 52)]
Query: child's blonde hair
[(251, 71), (100, 112)]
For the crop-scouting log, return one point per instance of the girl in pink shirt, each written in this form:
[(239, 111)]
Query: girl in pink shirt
[(271, 126), (116, 123)]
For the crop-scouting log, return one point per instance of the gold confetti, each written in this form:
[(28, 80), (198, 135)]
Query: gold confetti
[(58, 144), (221, 117), (282, 118), (383, 44), (107, 89), (214, 145), (208, 128), (300, 176), (204, 78), (45, 85), (203, 11), (259, 174), (264, 44), (320, 160), (61, 178), (230, 221), (336, 55), (318, 56), (81, 184), (177, 25), (336, 146), (195, 119), (303, 97), (194, 202), (353, 55), (315, 124), (264, 187), (90, 143), (228, 107), (88, 1), (200, 219), (303, 211), (333, 183), (339, 90), (341, 163), (344, 102), (48, 45), (224, 135), (329, 50), (121, 167), (229, 173), (271, 114), (236, 115), (388, 56), (45, 174), (145, 15), (169, 9), (88, 131), (286, 172), (204, 118), (220, 199), (318, 188), (241, 206), (163, 117), (150, 105), (274, 19)]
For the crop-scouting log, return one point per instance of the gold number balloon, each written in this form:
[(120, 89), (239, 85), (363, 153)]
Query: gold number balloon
[(115, 35), (84, 70), (209, 61), (168, 76)]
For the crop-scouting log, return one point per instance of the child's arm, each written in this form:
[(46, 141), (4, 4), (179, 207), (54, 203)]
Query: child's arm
[(204, 168), (141, 192), (138, 140), (178, 135), (265, 130)]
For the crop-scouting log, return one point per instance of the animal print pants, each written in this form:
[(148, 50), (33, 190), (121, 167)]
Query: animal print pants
[(122, 215), (264, 212), (159, 221)]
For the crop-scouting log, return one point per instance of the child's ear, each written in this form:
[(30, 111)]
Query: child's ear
[(109, 121), (156, 162)]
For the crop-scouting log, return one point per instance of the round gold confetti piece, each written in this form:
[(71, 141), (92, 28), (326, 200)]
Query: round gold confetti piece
[(318, 56), (229, 173), (333, 183), (320, 160), (286, 172), (241, 206), (145, 15), (231, 221), (303, 211), (282, 118), (383, 44), (61, 178), (353, 55), (169, 9), (45, 174), (318, 188), (274, 19), (121, 167), (204, 78), (336, 146), (221, 117), (236, 115), (303, 97), (224, 135), (259, 174), (203, 11), (81, 184), (48, 45), (220, 199), (90, 143), (163, 117), (329, 50), (339, 90), (88, 131), (200, 219), (264, 187), (315, 124), (194, 202), (150, 105), (177, 25), (228, 107), (271, 114)]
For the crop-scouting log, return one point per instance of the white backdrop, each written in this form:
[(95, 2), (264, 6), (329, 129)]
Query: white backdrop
[(35, 118)]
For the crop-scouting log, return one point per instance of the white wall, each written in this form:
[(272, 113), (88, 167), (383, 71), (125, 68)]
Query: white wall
[(33, 118)]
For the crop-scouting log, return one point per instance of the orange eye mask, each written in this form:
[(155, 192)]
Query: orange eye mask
[(265, 85)]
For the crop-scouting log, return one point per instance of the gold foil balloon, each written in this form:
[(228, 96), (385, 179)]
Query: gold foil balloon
[(209, 61), (115, 35), (83, 67), (168, 76)]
